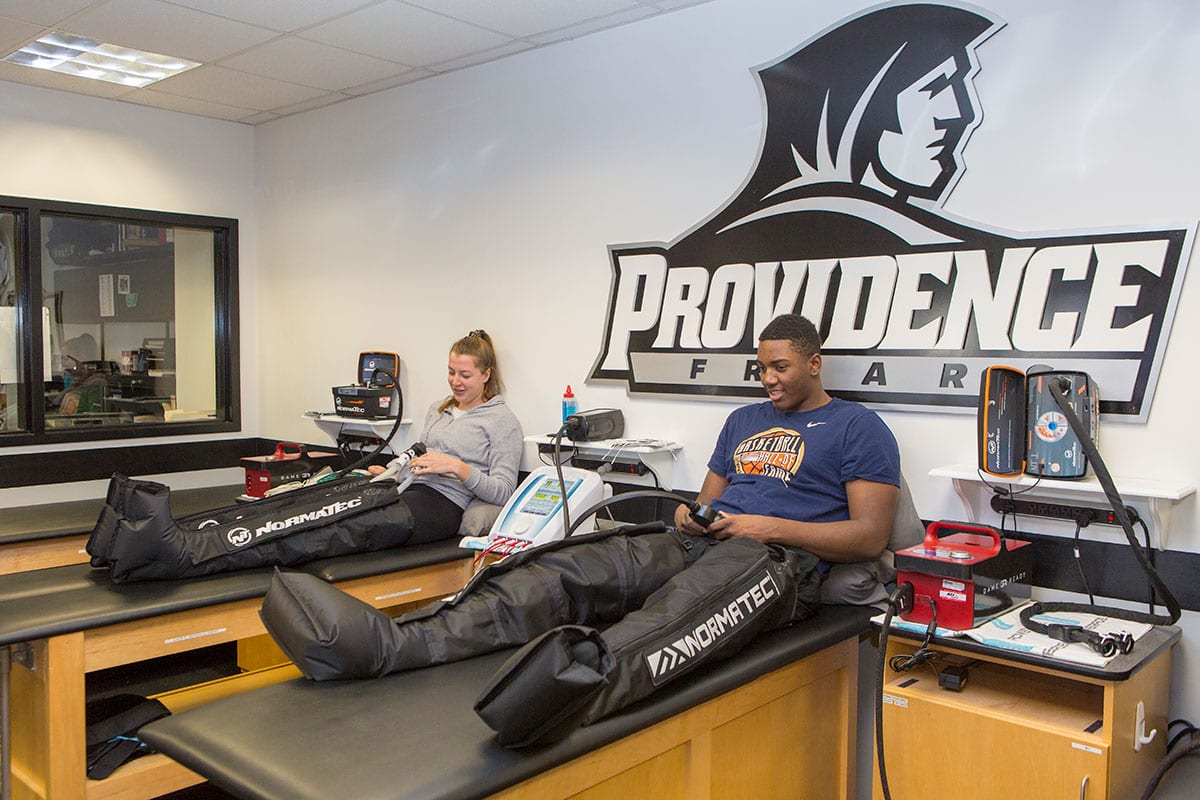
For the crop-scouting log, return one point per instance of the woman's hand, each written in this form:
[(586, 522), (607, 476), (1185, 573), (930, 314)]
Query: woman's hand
[(433, 463)]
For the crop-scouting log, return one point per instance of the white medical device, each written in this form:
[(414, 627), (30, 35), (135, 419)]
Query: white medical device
[(533, 515)]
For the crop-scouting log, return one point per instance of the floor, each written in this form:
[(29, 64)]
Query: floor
[(1182, 781)]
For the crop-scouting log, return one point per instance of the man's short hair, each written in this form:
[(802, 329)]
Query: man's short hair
[(801, 333)]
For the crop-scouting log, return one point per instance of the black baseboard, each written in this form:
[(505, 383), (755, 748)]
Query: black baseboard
[(66, 466), (1112, 570)]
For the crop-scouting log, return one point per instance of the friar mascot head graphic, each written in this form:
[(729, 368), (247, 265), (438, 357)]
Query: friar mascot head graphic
[(864, 136), (841, 220)]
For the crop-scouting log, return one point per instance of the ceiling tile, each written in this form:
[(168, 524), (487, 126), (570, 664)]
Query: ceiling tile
[(287, 16), (57, 80), (482, 57), (223, 85), (312, 64), (526, 17), (308, 105), (188, 105), (404, 33), (14, 33), (253, 71), (672, 5), (167, 29), (42, 12), (259, 116), (389, 83), (603, 23)]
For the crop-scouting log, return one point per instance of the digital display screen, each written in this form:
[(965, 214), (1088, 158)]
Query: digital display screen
[(546, 498)]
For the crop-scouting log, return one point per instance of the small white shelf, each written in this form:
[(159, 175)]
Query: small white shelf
[(658, 456), (332, 424), (1160, 496)]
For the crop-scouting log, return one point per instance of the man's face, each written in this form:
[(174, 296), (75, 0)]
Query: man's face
[(931, 117), (791, 379)]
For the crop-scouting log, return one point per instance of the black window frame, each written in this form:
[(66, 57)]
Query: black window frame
[(28, 214)]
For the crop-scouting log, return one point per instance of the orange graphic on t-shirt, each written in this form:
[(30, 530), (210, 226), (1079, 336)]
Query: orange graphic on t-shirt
[(775, 453)]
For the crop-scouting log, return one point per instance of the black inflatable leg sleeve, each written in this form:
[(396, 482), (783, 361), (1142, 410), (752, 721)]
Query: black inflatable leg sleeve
[(137, 538), (735, 590), (585, 580), (544, 691)]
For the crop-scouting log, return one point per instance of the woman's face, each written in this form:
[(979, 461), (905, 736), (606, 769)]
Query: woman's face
[(467, 380)]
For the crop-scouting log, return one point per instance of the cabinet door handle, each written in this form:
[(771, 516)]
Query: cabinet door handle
[(1083, 788)]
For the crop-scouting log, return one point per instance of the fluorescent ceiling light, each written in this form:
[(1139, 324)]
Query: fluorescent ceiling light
[(85, 58)]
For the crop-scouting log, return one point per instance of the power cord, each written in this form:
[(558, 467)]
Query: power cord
[(904, 662), (1184, 743), (899, 602), (703, 514), (1111, 644), (1079, 565), (562, 484)]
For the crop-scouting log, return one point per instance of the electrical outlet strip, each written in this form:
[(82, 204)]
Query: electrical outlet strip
[(1081, 515)]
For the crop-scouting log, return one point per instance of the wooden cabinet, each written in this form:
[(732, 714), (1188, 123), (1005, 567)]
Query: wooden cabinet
[(1029, 728)]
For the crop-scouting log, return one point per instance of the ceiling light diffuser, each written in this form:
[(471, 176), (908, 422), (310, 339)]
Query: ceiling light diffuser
[(85, 58)]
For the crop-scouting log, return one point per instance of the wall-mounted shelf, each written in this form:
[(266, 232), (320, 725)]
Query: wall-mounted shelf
[(332, 424), (1159, 496), (657, 455)]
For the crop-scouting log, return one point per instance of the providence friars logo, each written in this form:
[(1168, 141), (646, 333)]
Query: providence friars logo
[(841, 220)]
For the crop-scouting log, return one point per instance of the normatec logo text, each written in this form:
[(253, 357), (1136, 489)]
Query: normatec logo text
[(666, 661), (240, 537), (840, 221)]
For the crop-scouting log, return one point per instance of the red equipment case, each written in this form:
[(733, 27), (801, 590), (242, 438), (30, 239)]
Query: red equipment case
[(290, 462), (972, 574)]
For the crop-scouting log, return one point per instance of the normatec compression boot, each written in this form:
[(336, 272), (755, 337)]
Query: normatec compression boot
[(671, 601), (136, 537)]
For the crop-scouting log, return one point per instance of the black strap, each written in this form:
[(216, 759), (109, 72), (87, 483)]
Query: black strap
[(1107, 645), (112, 726), (104, 760)]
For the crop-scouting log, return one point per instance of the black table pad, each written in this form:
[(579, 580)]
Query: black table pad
[(50, 602), (415, 736), (21, 524)]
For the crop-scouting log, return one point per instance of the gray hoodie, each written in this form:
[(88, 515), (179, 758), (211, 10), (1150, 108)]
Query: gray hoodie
[(488, 438)]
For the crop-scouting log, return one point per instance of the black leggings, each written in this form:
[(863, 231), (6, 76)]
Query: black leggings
[(434, 516)]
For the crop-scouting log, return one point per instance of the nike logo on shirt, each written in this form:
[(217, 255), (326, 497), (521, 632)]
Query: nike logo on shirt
[(814, 424)]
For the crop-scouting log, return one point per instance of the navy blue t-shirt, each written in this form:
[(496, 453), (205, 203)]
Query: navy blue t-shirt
[(795, 465)]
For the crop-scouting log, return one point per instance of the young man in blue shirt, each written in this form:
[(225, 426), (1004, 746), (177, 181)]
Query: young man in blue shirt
[(801, 469)]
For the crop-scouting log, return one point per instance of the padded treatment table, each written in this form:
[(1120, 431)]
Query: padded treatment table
[(61, 623), (777, 719), (54, 534)]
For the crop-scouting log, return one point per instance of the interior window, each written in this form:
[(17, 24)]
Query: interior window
[(10, 349), (130, 326)]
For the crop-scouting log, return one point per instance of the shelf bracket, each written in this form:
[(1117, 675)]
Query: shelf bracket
[(1139, 734)]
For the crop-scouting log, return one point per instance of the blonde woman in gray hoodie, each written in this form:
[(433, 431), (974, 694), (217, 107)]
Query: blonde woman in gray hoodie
[(473, 444)]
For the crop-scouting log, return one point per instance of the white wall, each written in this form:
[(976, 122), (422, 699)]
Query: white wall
[(487, 198), (80, 149)]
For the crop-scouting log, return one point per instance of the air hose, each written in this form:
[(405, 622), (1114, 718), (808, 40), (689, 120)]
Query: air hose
[(1111, 644)]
